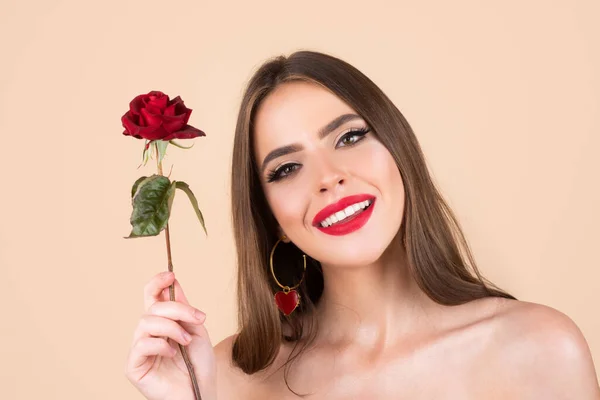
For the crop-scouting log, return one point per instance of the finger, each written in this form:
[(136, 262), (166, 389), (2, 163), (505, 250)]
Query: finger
[(154, 288), (179, 294), (151, 325), (177, 311), (147, 347)]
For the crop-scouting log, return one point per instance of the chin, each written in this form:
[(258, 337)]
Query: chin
[(355, 255)]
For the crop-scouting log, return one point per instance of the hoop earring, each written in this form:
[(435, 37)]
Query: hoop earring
[(288, 299)]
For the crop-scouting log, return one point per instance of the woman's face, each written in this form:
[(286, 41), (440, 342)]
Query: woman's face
[(313, 150)]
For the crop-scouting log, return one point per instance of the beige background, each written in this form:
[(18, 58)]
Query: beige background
[(505, 99)]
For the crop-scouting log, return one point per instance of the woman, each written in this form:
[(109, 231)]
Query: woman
[(355, 280)]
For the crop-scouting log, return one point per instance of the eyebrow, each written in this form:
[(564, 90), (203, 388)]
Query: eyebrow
[(323, 132)]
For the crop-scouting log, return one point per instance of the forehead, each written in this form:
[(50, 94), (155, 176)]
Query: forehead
[(293, 112)]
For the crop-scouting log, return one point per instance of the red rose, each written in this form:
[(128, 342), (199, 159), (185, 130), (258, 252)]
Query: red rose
[(153, 116)]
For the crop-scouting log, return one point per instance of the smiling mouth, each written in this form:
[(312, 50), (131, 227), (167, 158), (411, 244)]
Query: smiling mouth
[(347, 214)]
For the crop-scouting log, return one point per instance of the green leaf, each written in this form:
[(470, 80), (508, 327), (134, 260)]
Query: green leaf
[(180, 146), (185, 187), (161, 145), (136, 184), (151, 202)]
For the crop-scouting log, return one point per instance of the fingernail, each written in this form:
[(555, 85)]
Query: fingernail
[(187, 336), (199, 315), (167, 274)]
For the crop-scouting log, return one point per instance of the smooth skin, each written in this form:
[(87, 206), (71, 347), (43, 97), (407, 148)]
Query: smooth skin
[(380, 336)]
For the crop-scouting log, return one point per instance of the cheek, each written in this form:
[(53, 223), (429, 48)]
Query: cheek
[(393, 173), (381, 163), (387, 174), (287, 204)]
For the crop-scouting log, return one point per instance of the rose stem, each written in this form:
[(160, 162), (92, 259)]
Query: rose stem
[(182, 348)]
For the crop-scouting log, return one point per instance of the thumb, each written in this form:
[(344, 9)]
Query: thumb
[(179, 294)]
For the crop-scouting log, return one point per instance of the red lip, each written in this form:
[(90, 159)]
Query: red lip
[(344, 227)]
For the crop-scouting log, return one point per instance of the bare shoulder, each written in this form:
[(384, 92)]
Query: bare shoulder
[(546, 327), (235, 384), (545, 349), (231, 381), (224, 348)]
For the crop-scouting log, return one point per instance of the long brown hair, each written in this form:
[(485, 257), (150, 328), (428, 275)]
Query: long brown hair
[(438, 254)]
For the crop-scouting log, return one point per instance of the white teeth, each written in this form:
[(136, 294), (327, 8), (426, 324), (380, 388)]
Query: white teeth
[(349, 210), (345, 213)]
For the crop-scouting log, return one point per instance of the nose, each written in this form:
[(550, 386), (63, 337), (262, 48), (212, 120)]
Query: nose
[(329, 175), (331, 184)]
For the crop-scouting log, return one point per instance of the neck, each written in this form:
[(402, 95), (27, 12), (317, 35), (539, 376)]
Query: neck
[(371, 305)]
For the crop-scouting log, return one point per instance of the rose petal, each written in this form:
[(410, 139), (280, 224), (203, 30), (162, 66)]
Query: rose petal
[(180, 108), (154, 109), (129, 134), (176, 100), (153, 132), (158, 99), (170, 111), (157, 93), (188, 132), (137, 104), (188, 112), (173, 124), (150, 119), (131, 127)]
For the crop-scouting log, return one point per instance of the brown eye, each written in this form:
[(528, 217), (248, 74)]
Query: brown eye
[(282, 172), (347, 140), (352, 137), (287, 169)]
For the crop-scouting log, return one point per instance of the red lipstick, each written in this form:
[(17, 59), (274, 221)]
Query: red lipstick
[(351, 223)]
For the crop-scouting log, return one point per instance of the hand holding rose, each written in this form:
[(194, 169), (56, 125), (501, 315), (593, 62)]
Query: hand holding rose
[(153, 366)]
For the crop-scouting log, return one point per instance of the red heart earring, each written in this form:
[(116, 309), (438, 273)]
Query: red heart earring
[(288, 299)]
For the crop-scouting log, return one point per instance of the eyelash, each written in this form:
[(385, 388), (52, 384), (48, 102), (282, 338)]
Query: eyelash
[(275, 175)]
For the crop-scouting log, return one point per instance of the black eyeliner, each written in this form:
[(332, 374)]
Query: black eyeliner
[(275, 175)]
